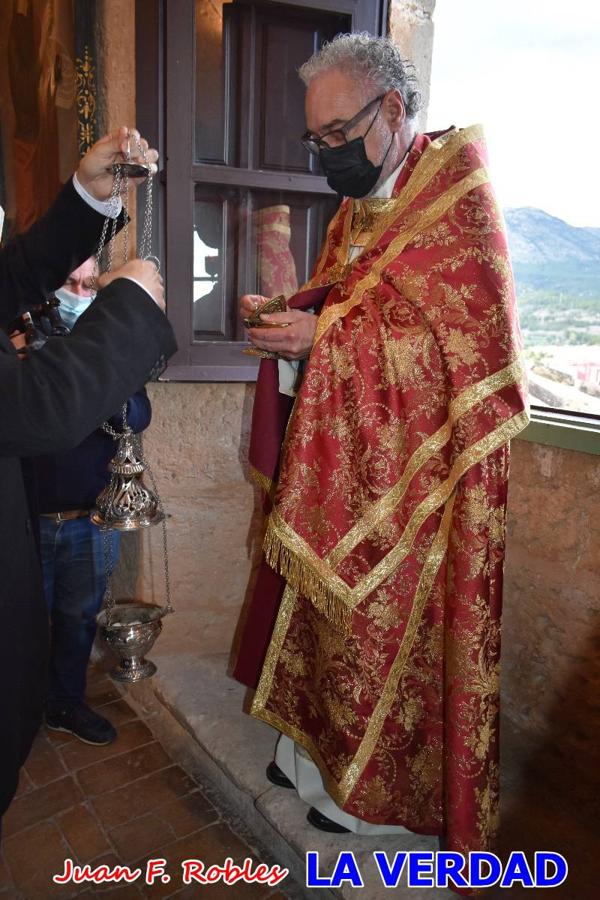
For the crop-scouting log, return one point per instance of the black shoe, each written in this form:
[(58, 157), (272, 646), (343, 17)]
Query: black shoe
[(318, 820), (84, 723), (276, 776)]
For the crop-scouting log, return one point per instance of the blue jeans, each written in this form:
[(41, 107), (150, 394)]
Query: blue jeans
[(74, 572)]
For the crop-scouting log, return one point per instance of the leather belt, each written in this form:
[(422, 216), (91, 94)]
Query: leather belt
[(67, 515)]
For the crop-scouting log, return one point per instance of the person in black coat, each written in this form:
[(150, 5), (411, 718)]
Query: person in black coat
[(50, 402)]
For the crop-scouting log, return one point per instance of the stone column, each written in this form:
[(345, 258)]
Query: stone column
[(115, 44), (115, 51), (411, 28)]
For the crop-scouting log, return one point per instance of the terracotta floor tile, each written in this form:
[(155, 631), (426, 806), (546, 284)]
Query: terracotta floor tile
[(25, 783), (118, 889), (173, 853), (117, 712), (77, 754), (34, 857), (140, 837), (58, 738), (6, 882), (221, 891), (121, 892), (83, 833), (116, 807), (97, 672), (211, 845), (120, 770), (40, 804), (188, 814), (101, 693), (44, 763)]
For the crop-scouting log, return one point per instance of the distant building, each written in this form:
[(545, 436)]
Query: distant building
[(589, 373)]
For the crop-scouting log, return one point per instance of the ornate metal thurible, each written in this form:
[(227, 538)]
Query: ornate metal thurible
[(126, 504), (130, 637)]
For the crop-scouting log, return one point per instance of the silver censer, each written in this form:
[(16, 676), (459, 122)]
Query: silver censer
[(130, 633), (129, 628), (126, 504)]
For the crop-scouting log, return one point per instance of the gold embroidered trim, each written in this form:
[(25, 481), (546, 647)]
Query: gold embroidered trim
[(367, 216), (342, 252), (325, 251), (435, 157), (265, 686), (463, 462), (268, 486), (288, 554), (384, 506), (280, 631), (429, 572), (300, 737), (436, 209)]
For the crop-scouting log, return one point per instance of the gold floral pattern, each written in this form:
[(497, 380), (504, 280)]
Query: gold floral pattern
[(87, 127)]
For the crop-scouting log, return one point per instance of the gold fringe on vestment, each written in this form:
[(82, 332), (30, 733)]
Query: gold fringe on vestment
[(300, 576)]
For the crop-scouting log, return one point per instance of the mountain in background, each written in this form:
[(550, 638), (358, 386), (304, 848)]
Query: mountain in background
[(549, 254), (537, 237)]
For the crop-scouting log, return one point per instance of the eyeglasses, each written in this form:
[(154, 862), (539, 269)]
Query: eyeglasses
[(337, 136)]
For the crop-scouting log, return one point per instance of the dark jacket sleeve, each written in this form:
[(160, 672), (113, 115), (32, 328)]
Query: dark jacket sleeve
[(34, 264), (58, 395), (139, 413)]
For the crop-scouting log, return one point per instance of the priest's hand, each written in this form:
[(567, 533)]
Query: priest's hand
[(94, 169), (292, 341), (249, 303)]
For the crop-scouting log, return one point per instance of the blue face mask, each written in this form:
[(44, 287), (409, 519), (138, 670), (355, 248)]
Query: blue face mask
[(71, 305)]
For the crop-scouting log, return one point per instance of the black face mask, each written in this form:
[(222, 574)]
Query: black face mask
[(349, 170)]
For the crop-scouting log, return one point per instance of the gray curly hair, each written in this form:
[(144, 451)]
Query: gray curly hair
[(366, 57)]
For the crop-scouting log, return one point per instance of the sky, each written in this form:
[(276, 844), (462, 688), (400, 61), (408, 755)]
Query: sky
[(529, 72)]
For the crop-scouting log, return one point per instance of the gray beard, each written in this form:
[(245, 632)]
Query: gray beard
[(392, 162)]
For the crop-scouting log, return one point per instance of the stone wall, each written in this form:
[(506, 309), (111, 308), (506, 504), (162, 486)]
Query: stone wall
[(197, 445), (551, 622)]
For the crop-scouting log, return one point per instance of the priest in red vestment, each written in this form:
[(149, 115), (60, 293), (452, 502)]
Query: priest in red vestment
[(373, 638)]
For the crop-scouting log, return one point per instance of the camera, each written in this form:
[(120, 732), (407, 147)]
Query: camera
[(40, 323)]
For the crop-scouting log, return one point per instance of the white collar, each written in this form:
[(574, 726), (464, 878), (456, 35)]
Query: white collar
[(385, 190)]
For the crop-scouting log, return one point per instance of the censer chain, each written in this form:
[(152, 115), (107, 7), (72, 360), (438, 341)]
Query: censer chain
[(109, 600), (120, 188), (110, 430), (168, 608), (111, 222)]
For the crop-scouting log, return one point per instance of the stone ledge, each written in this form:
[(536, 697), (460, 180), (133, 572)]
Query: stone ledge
[(195, 709)]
